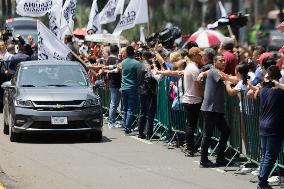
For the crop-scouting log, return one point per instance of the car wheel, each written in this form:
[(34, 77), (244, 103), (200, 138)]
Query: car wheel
[(6, 128), (6, 125), (14, 137), (96, 136)]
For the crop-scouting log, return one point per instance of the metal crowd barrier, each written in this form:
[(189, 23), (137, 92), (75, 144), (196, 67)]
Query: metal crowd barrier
[(170, 121)]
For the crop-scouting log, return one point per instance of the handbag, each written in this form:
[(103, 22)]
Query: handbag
[(177, 105)]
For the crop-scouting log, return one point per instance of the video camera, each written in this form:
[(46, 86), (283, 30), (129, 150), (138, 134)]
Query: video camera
[(238, 20), (166, 37), (6, 34)]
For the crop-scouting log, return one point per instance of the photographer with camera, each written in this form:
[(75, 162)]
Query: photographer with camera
[(271, 121)]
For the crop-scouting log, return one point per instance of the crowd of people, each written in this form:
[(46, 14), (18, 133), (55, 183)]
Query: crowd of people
[(198, 78)]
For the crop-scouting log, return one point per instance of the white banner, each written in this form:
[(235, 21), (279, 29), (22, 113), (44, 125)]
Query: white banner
[(49, 47), (68, 17), (111, 10), (54, 17), (94, 19), (135, 13), (33, 8)]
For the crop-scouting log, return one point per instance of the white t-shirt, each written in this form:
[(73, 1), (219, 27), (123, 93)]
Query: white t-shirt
[(191, 92), (251, 75), (282, 78), (241, 87)]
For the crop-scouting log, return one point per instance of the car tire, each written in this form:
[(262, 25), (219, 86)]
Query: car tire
[(14, 137), (96, 136), (6, 129), (5, 124)]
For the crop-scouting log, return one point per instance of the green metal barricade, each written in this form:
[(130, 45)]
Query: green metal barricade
[(250, 111), (162, 117), (232, 115)]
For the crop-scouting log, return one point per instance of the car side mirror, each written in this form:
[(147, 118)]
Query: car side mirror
[(6, 85)]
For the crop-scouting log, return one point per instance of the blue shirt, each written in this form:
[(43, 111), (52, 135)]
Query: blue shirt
[(272, 112), (259, 75)]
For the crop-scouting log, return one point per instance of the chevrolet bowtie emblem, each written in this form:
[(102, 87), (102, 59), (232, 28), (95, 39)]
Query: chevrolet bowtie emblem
[(59, 106)]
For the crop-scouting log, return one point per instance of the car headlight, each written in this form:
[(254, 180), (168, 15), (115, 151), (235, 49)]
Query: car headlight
[(92, 102), (24, 103)]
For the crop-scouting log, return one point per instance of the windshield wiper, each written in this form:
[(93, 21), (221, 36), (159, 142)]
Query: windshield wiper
[(27, 86), (57, 85)]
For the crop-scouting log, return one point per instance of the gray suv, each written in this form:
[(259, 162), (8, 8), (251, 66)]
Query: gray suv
[(51, 96)]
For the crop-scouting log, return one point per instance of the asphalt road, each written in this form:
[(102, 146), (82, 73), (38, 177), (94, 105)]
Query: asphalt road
[(120, 162)]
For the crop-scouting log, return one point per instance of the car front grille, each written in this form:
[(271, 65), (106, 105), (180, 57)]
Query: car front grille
[(54, 103), (47, 125), (58, 109)]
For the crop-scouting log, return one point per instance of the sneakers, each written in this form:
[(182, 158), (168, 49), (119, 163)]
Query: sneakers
[(255, 172), (273, 180), (111, 125), (266, 187), (206, 164), (118, 125), (127, 132)]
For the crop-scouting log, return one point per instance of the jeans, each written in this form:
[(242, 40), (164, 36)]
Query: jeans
[(115, 96), (212, 120), (192, 113), (271, 146), (130, 103), (148, 105)]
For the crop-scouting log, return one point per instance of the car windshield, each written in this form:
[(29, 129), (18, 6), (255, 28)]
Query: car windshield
[(52, 76)]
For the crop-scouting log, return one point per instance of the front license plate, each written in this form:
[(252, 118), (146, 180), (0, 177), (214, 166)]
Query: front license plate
[(59, 121)]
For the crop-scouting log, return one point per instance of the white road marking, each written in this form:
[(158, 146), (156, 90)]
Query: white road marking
[(141, 140)]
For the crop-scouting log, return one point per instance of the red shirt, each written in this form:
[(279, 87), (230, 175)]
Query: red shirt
[(230, 62)]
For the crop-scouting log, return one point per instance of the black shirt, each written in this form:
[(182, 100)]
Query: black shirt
[(114, 78)]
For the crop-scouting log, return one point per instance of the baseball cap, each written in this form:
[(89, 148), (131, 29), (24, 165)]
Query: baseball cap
[(263, 56)]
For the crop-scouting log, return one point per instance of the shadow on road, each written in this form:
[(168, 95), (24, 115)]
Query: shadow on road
[(60, 139)]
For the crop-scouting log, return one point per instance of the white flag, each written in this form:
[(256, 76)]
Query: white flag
[(111, 10), (142, 35), (49, 47), (224, 20), (119, 7), (223, 10), (54, 17), (135, 13), (94, 19), (34, 8), (68, 17)]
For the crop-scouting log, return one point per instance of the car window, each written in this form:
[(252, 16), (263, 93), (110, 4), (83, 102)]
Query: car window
[(52, 76)]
